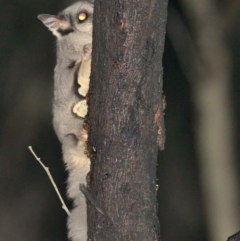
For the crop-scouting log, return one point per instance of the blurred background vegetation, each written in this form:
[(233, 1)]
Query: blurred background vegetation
[(198, 173)]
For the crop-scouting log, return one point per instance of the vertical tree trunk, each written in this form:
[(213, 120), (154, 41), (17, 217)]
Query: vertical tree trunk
[(125, 118)]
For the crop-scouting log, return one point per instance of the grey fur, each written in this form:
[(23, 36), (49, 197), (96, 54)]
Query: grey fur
[(71, 38), (69, 53)]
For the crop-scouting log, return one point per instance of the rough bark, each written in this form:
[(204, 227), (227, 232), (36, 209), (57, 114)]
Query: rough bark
[(126, 118)]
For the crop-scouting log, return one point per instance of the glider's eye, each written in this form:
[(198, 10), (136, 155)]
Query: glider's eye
[(82, 16)]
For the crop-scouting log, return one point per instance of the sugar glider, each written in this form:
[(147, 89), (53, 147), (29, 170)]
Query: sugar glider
[(73, 30)]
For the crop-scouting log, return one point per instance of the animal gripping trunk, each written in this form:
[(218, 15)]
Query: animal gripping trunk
[(78, 166)]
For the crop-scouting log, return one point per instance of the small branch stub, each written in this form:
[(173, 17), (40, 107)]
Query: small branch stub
[(89, 197)]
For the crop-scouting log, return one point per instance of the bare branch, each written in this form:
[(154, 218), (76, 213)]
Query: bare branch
[(51, 179)]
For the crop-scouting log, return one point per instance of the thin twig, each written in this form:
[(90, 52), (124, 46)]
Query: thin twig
[(51, 179)]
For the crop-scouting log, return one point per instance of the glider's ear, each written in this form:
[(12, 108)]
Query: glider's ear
[(52, 22)]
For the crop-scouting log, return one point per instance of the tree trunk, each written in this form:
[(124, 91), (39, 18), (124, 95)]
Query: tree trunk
[(126, 118)]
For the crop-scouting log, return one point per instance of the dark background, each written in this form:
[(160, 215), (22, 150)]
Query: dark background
[(29, 207)]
